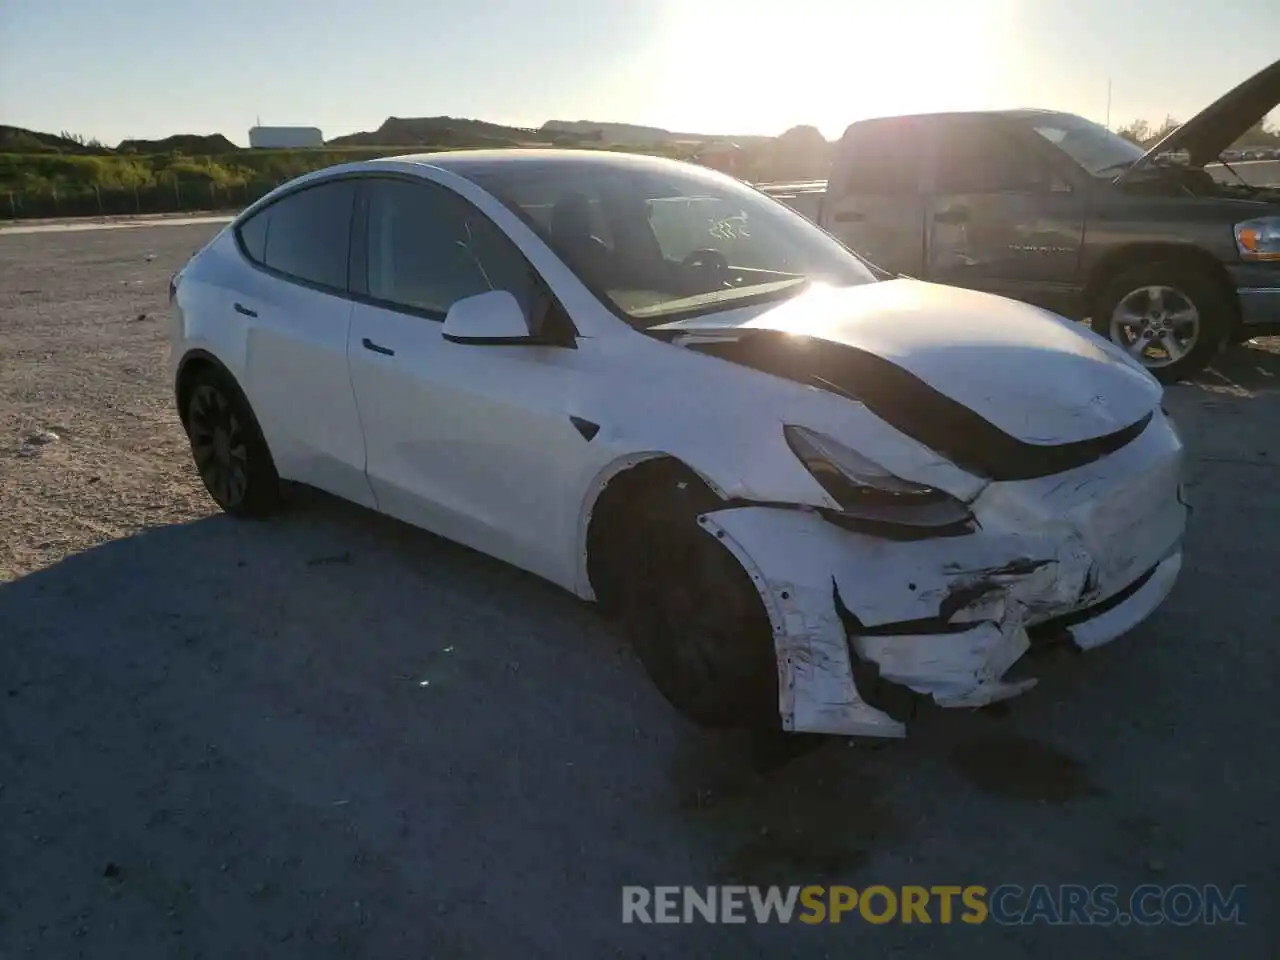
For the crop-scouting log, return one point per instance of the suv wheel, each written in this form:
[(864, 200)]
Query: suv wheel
[(228, 447), (695, 619), (1172, 319)]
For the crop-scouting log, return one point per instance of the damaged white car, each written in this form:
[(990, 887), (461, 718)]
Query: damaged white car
[(816, 495)]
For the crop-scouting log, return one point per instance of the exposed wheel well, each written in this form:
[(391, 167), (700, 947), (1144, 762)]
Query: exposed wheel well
[(1138, 254), (612, 521), (188, 373)]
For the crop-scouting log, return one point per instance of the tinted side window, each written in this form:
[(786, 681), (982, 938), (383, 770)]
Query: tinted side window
[(882, 158), (253, 234), (980, 158), (429, 247), (309, 235)]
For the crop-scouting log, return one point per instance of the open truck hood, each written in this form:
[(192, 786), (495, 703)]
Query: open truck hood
[(1219, 125), (1002, 389)]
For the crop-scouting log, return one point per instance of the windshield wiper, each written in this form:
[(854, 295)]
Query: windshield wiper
[(1115, 168), (717, 301)]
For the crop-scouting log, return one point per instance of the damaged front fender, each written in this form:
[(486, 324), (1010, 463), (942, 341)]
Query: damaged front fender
[(862, 625)]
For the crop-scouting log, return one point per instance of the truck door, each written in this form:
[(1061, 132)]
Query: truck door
[(1000, 216), (874, 203)]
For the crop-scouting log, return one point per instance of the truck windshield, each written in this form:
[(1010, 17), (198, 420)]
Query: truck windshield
[(1099, 151), (656, 240)]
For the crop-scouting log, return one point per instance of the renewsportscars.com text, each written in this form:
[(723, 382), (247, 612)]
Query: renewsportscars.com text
[(1007, 904)]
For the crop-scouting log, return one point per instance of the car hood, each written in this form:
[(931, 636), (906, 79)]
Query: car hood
[(1003, 389), (1220, 124)]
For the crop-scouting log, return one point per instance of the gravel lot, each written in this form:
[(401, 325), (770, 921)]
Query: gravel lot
[(332, 735)]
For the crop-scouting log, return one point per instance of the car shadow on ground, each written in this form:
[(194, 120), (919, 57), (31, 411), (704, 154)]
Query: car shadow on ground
[(239, 730), (244, 700)]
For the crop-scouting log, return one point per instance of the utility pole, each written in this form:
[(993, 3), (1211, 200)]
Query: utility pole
[(1108, 103)]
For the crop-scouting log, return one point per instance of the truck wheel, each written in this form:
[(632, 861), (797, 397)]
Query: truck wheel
[(1172, 319)]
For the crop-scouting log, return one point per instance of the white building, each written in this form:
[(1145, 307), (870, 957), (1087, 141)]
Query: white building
[(285, 137)]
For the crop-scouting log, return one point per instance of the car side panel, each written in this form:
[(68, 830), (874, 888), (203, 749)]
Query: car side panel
[(472, 442), (286, 346), (300, 385), (1120, 220), (1012, 224)]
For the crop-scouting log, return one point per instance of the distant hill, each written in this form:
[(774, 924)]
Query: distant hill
[(454, 131), (20, 140), (438, 131), (621, 133), (633, 134), (394, 132), (192, 144)]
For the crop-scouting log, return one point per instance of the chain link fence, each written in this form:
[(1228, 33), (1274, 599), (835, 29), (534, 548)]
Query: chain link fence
[(106, 202)]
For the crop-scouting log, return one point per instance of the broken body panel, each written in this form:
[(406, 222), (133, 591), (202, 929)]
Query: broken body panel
[(1069, 532), (1096, 549)]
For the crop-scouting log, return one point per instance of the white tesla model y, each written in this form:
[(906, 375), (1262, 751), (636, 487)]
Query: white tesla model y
[(814, 494)]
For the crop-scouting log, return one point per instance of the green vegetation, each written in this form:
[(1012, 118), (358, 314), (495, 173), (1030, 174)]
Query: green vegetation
[(59, 184), (53, 184), (69, 175)]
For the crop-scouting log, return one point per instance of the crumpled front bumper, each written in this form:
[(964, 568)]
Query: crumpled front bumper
[(864, 626)]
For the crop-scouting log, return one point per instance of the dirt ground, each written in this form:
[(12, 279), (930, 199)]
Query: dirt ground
[(331, 735)]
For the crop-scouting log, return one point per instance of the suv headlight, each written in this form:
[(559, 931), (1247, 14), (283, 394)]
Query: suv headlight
[(1259, 239), (869, 493)]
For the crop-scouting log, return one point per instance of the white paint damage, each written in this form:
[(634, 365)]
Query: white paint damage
[(948, 617)]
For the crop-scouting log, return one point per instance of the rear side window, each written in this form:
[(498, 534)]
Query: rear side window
[(308, 234), (884, 157)]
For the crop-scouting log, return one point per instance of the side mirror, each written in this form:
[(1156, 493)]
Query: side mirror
[(487, 319)]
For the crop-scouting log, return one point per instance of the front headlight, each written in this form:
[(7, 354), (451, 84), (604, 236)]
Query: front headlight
[(869, 493), (1259, 239)]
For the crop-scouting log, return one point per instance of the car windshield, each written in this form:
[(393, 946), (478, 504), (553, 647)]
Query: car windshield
[(1101, 152), (658, 240)]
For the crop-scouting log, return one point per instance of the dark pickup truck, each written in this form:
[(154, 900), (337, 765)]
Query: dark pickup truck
[(1164, 257)]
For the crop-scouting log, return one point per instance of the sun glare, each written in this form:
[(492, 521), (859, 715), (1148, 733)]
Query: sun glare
[(751, 66)]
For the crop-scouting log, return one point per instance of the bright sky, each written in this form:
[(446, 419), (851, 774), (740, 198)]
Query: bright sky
[(148, 68)]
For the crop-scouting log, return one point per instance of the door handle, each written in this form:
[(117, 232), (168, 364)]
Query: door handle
[(952, 215), (241, 308), (850, 216), (377, 348)]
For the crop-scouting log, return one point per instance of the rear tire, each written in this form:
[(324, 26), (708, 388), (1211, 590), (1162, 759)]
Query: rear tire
[(694, 617), (227, 446), (1170, 317)]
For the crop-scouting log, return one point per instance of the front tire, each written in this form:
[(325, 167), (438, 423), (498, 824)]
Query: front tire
[(228, 448), (1173, 319), (694, 617)]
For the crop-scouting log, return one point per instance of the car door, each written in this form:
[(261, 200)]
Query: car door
[(874, 203), (298, 308), (1001, 216), (473, 442)]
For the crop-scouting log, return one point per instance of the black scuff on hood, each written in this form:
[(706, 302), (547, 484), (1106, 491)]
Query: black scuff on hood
[(907, 403)]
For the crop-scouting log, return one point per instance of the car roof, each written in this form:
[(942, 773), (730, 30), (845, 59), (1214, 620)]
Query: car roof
[(474, 163), (1018, 113)]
